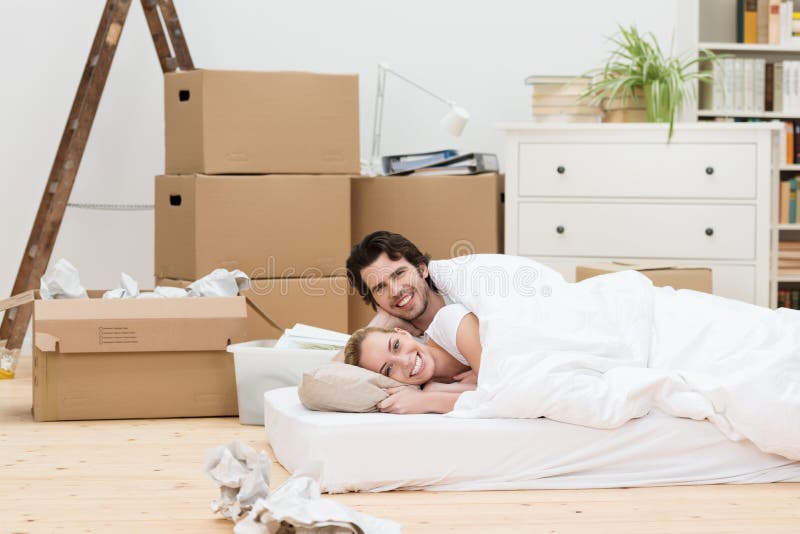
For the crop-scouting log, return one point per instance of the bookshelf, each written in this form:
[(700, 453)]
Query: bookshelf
[(712, 25)]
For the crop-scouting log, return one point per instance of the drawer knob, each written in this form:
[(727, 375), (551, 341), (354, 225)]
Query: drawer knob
[(560, 229), (709, 170), (560, 169), (709, 231)]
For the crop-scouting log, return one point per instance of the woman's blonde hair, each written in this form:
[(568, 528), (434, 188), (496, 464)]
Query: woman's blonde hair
[(352, 350)]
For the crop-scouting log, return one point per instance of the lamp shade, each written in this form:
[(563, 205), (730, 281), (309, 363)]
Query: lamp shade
[(455, 120)]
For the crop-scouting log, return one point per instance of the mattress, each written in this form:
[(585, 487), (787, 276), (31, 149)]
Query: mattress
[(381, 452)]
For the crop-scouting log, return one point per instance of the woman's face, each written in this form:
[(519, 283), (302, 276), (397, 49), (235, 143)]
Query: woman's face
[(397, 355)]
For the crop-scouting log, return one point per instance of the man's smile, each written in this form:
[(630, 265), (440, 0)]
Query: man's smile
[(404, 300)]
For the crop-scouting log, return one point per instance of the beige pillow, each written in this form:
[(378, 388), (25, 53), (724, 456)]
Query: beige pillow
[(341, 387)]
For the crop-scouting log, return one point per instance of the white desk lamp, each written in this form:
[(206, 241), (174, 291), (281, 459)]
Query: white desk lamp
[(453, 123)]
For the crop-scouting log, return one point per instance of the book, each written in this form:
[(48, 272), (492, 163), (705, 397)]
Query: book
[(774, 22), (789, 132), (783, 211), (409, 162), (471, 163), (796, 139), (303, 336), (792, 201), (788, 246), (769, 86), (739, 21), (572, 110), (762, 21), (554, 100), (558, 80), (759, 73), (750, 17)]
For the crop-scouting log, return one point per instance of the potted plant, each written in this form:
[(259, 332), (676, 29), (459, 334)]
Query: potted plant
[(637, 66)]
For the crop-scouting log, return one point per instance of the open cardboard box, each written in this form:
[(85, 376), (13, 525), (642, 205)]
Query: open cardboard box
[(278, 303), (135, 358)]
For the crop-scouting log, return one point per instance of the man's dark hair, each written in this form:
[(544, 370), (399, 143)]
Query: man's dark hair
[(373, 245)]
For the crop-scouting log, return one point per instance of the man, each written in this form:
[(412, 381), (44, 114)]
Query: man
[(391, 274)]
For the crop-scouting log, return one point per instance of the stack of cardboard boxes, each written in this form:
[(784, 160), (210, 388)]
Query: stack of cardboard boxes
[(258, 168), (260, 176)]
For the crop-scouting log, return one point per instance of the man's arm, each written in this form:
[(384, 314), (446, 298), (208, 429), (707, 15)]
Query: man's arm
[(384, 320)]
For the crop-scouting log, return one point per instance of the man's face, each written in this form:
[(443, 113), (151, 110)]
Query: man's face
[(397, 287)]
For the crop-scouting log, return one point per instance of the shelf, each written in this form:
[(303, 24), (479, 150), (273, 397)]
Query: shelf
[(792, 48), (790, 167), (788, 278), (789, 226), (748, 115)]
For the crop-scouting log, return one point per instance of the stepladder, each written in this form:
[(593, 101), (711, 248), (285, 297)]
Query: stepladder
[(173, 55)]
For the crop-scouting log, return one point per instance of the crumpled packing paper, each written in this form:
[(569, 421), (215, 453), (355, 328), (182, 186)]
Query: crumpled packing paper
[(128, 289), (242, 475), (62, 282), (220, 283), (296, 506)]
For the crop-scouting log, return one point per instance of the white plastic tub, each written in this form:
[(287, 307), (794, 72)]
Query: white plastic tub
[(260, 367)]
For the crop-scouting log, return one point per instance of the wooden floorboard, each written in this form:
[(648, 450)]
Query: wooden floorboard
[(147, 476)]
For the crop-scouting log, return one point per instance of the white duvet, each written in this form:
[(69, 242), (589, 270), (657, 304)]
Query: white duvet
[(612, 348)]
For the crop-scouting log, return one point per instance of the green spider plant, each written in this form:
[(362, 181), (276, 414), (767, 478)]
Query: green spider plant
[(638, 62)]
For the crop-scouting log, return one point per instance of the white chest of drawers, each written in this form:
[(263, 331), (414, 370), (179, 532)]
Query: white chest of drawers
[(583, 193)]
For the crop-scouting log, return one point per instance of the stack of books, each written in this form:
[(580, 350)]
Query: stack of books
[(789, 298), (557, 99), (753, 85), (789, 257), (442, 162), (767, 22)]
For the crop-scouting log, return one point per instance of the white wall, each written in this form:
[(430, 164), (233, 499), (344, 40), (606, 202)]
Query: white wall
[(475, 52)]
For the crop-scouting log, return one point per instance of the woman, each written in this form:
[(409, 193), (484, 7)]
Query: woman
[(445, 367)]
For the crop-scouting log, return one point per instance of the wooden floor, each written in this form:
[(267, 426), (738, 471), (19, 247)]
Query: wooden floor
[(147, 476)]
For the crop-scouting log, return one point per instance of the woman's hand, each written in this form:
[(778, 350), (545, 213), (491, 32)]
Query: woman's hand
[(405, 400), (467, 377)]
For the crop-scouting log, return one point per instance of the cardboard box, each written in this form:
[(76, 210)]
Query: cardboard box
[(677, 276), (235, 122), (318, 302), (271, 226), (135, 358), (445, 216)]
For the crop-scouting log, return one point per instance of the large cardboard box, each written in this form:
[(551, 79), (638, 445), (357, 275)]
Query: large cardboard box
[(271, 226), (318, 302), (445, 216), (135, 358), (676, 276), (234, 122)]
